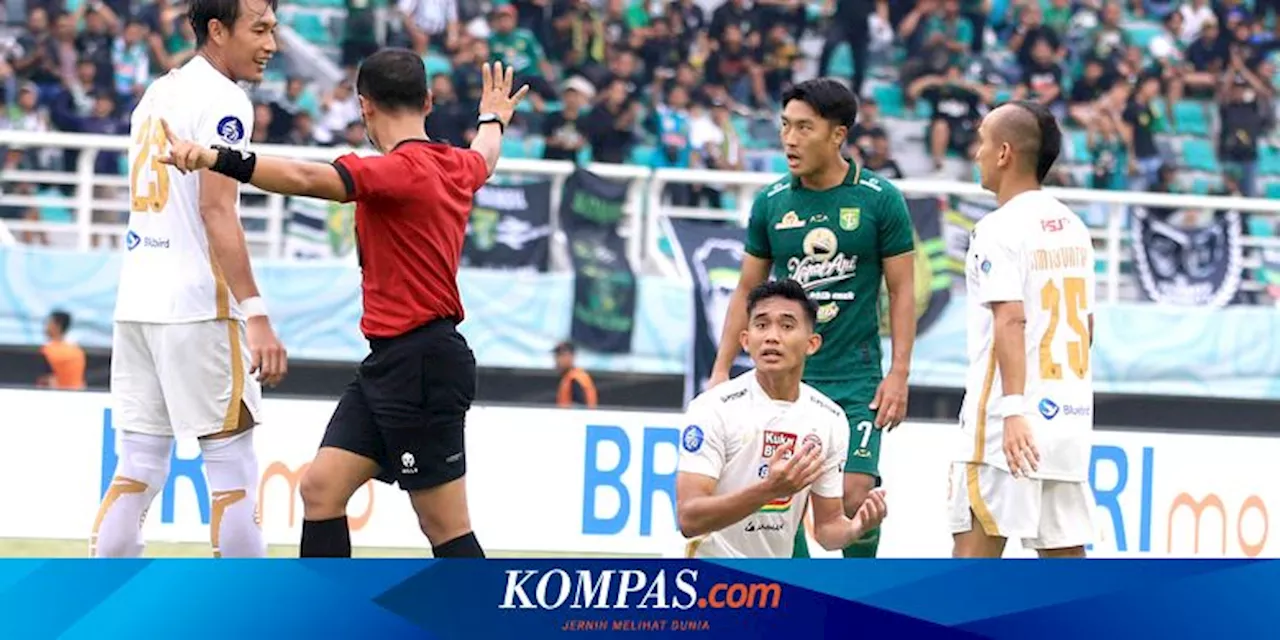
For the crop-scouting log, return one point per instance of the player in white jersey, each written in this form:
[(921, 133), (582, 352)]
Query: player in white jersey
[(1028, 404), (190, 327), (760, 445)]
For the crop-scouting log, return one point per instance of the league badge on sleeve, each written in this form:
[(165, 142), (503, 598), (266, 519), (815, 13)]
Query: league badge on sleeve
[(691, 439), (231, 130)]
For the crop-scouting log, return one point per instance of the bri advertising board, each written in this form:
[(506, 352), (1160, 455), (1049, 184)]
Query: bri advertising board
[(562, 481)]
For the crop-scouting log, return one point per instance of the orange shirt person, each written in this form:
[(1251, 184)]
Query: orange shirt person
[(577, 389), (66, 360)]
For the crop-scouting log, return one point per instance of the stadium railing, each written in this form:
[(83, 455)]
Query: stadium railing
[(641, 226)]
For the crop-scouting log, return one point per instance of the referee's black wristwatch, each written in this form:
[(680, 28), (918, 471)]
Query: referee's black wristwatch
[(491, 118)]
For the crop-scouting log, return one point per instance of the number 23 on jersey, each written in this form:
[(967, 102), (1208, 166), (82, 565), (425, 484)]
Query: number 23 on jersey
[(148, 178), (1072, 297)]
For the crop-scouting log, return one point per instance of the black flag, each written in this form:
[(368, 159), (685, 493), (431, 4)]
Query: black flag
[(510, 228), (604, 291)]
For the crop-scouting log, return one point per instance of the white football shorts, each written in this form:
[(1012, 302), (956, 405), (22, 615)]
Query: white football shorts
[(1044, 514), (184, 380)]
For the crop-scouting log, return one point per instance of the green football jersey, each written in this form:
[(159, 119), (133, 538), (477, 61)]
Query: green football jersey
[(833, 243)]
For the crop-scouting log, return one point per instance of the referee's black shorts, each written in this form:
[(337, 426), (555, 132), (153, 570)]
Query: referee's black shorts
[(407, 407)]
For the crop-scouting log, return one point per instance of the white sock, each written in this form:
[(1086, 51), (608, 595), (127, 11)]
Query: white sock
[(141, 472), (232, 469)]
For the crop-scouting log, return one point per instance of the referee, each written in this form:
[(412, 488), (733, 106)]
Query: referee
[(401, 419)]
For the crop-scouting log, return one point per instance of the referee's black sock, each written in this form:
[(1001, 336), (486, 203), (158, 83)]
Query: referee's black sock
[(325, 539), (463, 546)]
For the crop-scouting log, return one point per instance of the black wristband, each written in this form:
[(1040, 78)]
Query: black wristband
[(237, 165), (502, 128)]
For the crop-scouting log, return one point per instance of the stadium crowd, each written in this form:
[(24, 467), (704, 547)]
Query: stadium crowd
[(1162, 95)]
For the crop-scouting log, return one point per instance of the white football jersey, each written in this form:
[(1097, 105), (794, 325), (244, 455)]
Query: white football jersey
[(168, 274), (1036, 251), (733, 429)]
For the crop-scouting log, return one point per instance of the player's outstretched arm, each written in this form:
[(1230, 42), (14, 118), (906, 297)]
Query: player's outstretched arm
[(699, 511), (833, 530), (277, 175)]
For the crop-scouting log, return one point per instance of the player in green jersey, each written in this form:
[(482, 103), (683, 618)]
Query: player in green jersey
[(839, 230)]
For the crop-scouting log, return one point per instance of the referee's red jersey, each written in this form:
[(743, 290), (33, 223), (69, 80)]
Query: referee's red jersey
[(411, 219)]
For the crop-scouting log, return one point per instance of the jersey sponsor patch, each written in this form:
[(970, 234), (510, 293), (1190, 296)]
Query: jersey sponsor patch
[(230, 129), (985, 266), (789, 221), (692, 438), (812, 440), (775, 439), (850, 217)]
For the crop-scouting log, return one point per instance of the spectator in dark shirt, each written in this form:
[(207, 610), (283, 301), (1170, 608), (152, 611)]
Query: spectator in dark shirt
[(1042, 79), (1088, 90), (450, 120), (1031, 31), (1241, 124), (777, 59), (563, 129), (731, 67), (879, 157), (96, 43), (611, 124), (732, 12), (1142, 121), (1206, 58), (955, 108), (285, 108)]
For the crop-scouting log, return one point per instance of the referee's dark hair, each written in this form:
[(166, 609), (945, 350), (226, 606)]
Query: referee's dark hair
[(1044, 143), (394, 79), (788, 289), (832, 100), (200, 12)]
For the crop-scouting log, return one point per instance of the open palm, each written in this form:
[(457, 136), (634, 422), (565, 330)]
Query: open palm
[(496, 96)]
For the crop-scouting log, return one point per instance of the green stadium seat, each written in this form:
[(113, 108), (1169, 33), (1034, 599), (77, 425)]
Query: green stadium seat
[(1192, 118), (1003, 94), (778, 163), (1142, 33), (1198, 155), (890, 99), (1273, 190), (841, 63), (535, 146), (512, 148), (1080, 147), (643, 155), (1268, 160)]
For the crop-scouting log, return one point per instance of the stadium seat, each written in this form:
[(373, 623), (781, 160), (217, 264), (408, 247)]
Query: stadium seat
[(1080, 147), (1192, 118), (890, 99), (643, 155), (535, 146), (512, 148), (778, 163), (1142, 33), (1273, 190), (1268, 160), (1198, 155), (841, 63)]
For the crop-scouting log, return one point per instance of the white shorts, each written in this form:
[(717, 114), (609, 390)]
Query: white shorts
[(184, 380), (1044, 514)]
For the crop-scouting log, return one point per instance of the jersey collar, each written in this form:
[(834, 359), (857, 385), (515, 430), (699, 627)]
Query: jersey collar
[(850, 179)]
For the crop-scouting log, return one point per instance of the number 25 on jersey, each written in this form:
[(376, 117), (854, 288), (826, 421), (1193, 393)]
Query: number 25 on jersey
[(148, 178), (1074, 298)]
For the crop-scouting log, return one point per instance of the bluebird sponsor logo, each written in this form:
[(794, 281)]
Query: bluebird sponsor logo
[(132, 241), (1048, 409), (1077, 411)]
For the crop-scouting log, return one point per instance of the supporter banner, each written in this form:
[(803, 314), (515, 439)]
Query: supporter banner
[(712, 251), (510, 227), (319, 229), (932, 279), (1187, 264), (545, 481), (604, 294), (737, 600)]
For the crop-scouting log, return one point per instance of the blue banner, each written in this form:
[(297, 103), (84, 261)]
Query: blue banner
[(533, 599), (513, 320)]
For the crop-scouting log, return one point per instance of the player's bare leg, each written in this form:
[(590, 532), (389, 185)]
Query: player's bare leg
[(976, 543), (327, 485), (231, 464), (141, 473), (857, 486), (1067, 552), (445, 520)]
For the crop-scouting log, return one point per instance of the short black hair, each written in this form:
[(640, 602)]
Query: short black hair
[(62, 319), (1047, 136), (224, 11), (788, 289), (394, 79), (832, 100)]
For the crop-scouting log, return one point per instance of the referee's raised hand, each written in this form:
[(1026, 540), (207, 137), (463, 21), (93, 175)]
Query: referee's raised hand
[(496, 96)]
